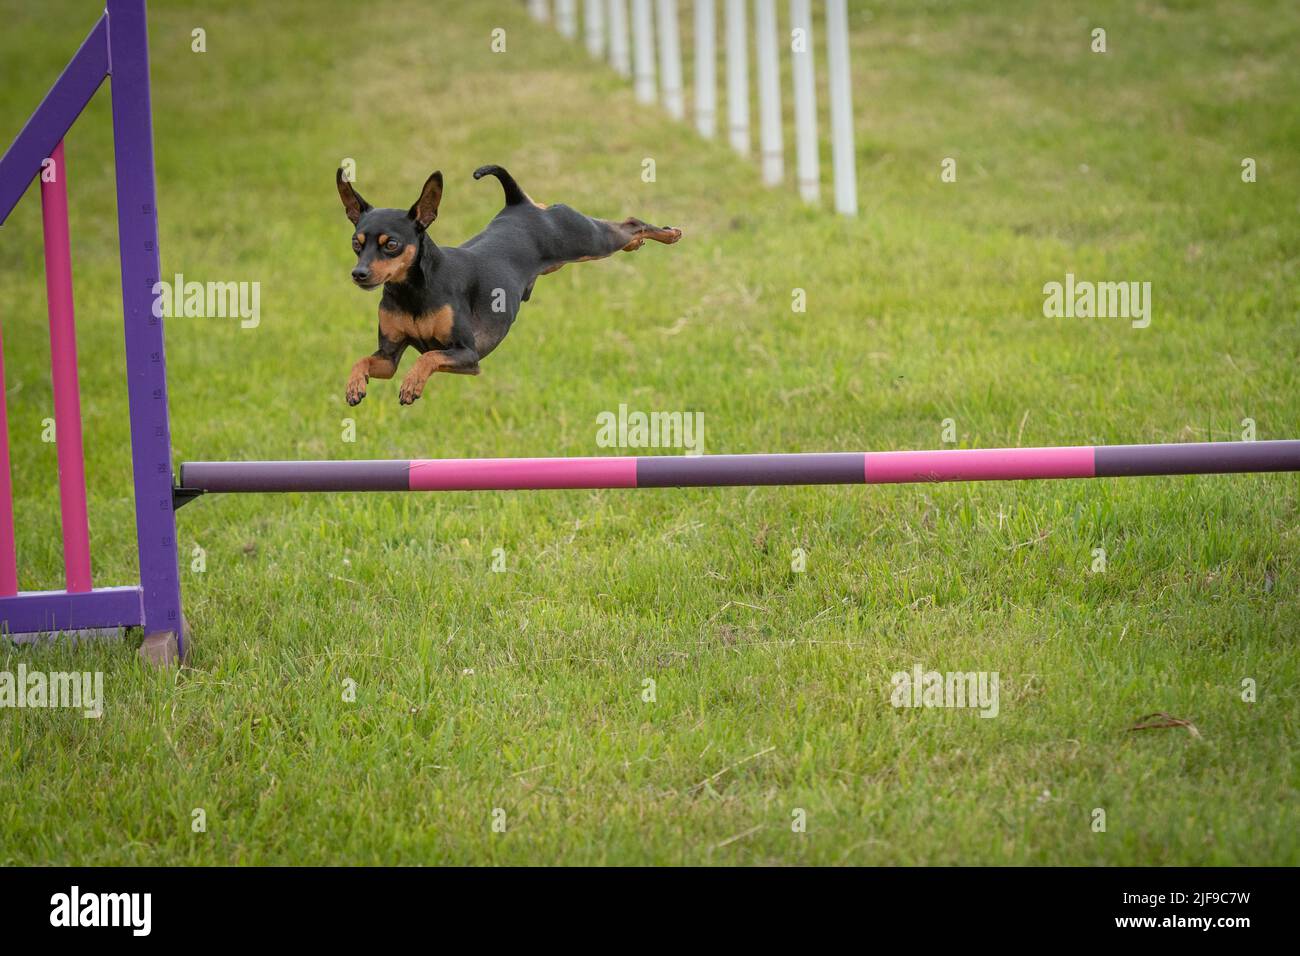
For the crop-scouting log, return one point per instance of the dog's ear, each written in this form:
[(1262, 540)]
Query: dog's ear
[(425, 209), (353, 204)]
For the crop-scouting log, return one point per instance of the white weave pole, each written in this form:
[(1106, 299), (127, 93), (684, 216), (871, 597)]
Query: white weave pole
[(805, 103), (566, 18), (540, 9), (593, 22), (769, 93), (706, 76), (837, 62), (737, 77), (618, 55), (670, 59), (643, 51)]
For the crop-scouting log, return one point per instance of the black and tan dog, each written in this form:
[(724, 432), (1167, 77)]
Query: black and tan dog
[(455, 304)]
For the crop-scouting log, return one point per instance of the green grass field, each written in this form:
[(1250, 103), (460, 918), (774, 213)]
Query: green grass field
[(523, 691)]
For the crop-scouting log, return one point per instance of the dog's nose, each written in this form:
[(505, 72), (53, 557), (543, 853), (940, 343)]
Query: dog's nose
[(361, 274)]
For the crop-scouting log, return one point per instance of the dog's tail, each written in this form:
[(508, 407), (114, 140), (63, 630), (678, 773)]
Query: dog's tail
[(514, 195)]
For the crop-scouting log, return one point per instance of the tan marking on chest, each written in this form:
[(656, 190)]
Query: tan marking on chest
[(430, 326)]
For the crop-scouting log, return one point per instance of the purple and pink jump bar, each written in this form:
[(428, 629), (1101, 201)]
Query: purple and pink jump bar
[(674, 471)]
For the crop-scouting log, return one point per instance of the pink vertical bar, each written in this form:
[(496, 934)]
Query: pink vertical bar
[(63, 359), (8, 561)]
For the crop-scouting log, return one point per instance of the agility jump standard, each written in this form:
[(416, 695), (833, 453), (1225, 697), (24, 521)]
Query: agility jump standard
[(155, 603)]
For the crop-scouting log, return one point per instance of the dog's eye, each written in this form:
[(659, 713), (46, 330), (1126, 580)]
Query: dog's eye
[(356, 245), (392, 245)]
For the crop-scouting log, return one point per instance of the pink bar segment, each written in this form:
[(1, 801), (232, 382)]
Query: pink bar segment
[(979, 464), (63, 360), (8, 560), (521, 474)]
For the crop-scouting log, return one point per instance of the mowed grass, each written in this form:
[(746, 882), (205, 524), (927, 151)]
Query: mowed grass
[(524, 691)]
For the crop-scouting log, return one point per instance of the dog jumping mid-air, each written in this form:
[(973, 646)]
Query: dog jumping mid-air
[(456, 303)]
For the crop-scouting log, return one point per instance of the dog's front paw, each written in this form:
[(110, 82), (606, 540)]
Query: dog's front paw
[(412, 388), (356, 389)]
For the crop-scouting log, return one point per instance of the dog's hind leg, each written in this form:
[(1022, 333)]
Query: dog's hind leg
[(570, 236), (566, 235), (636, 232)]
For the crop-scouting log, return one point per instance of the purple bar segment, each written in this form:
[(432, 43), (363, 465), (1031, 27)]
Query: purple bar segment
[(54, 117), (32, 612), (521, 474), (1197, 458), (690, 471), (296, 475)]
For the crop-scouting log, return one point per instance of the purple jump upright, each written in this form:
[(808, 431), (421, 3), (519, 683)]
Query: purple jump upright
[(118, 46), (679, 471)]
